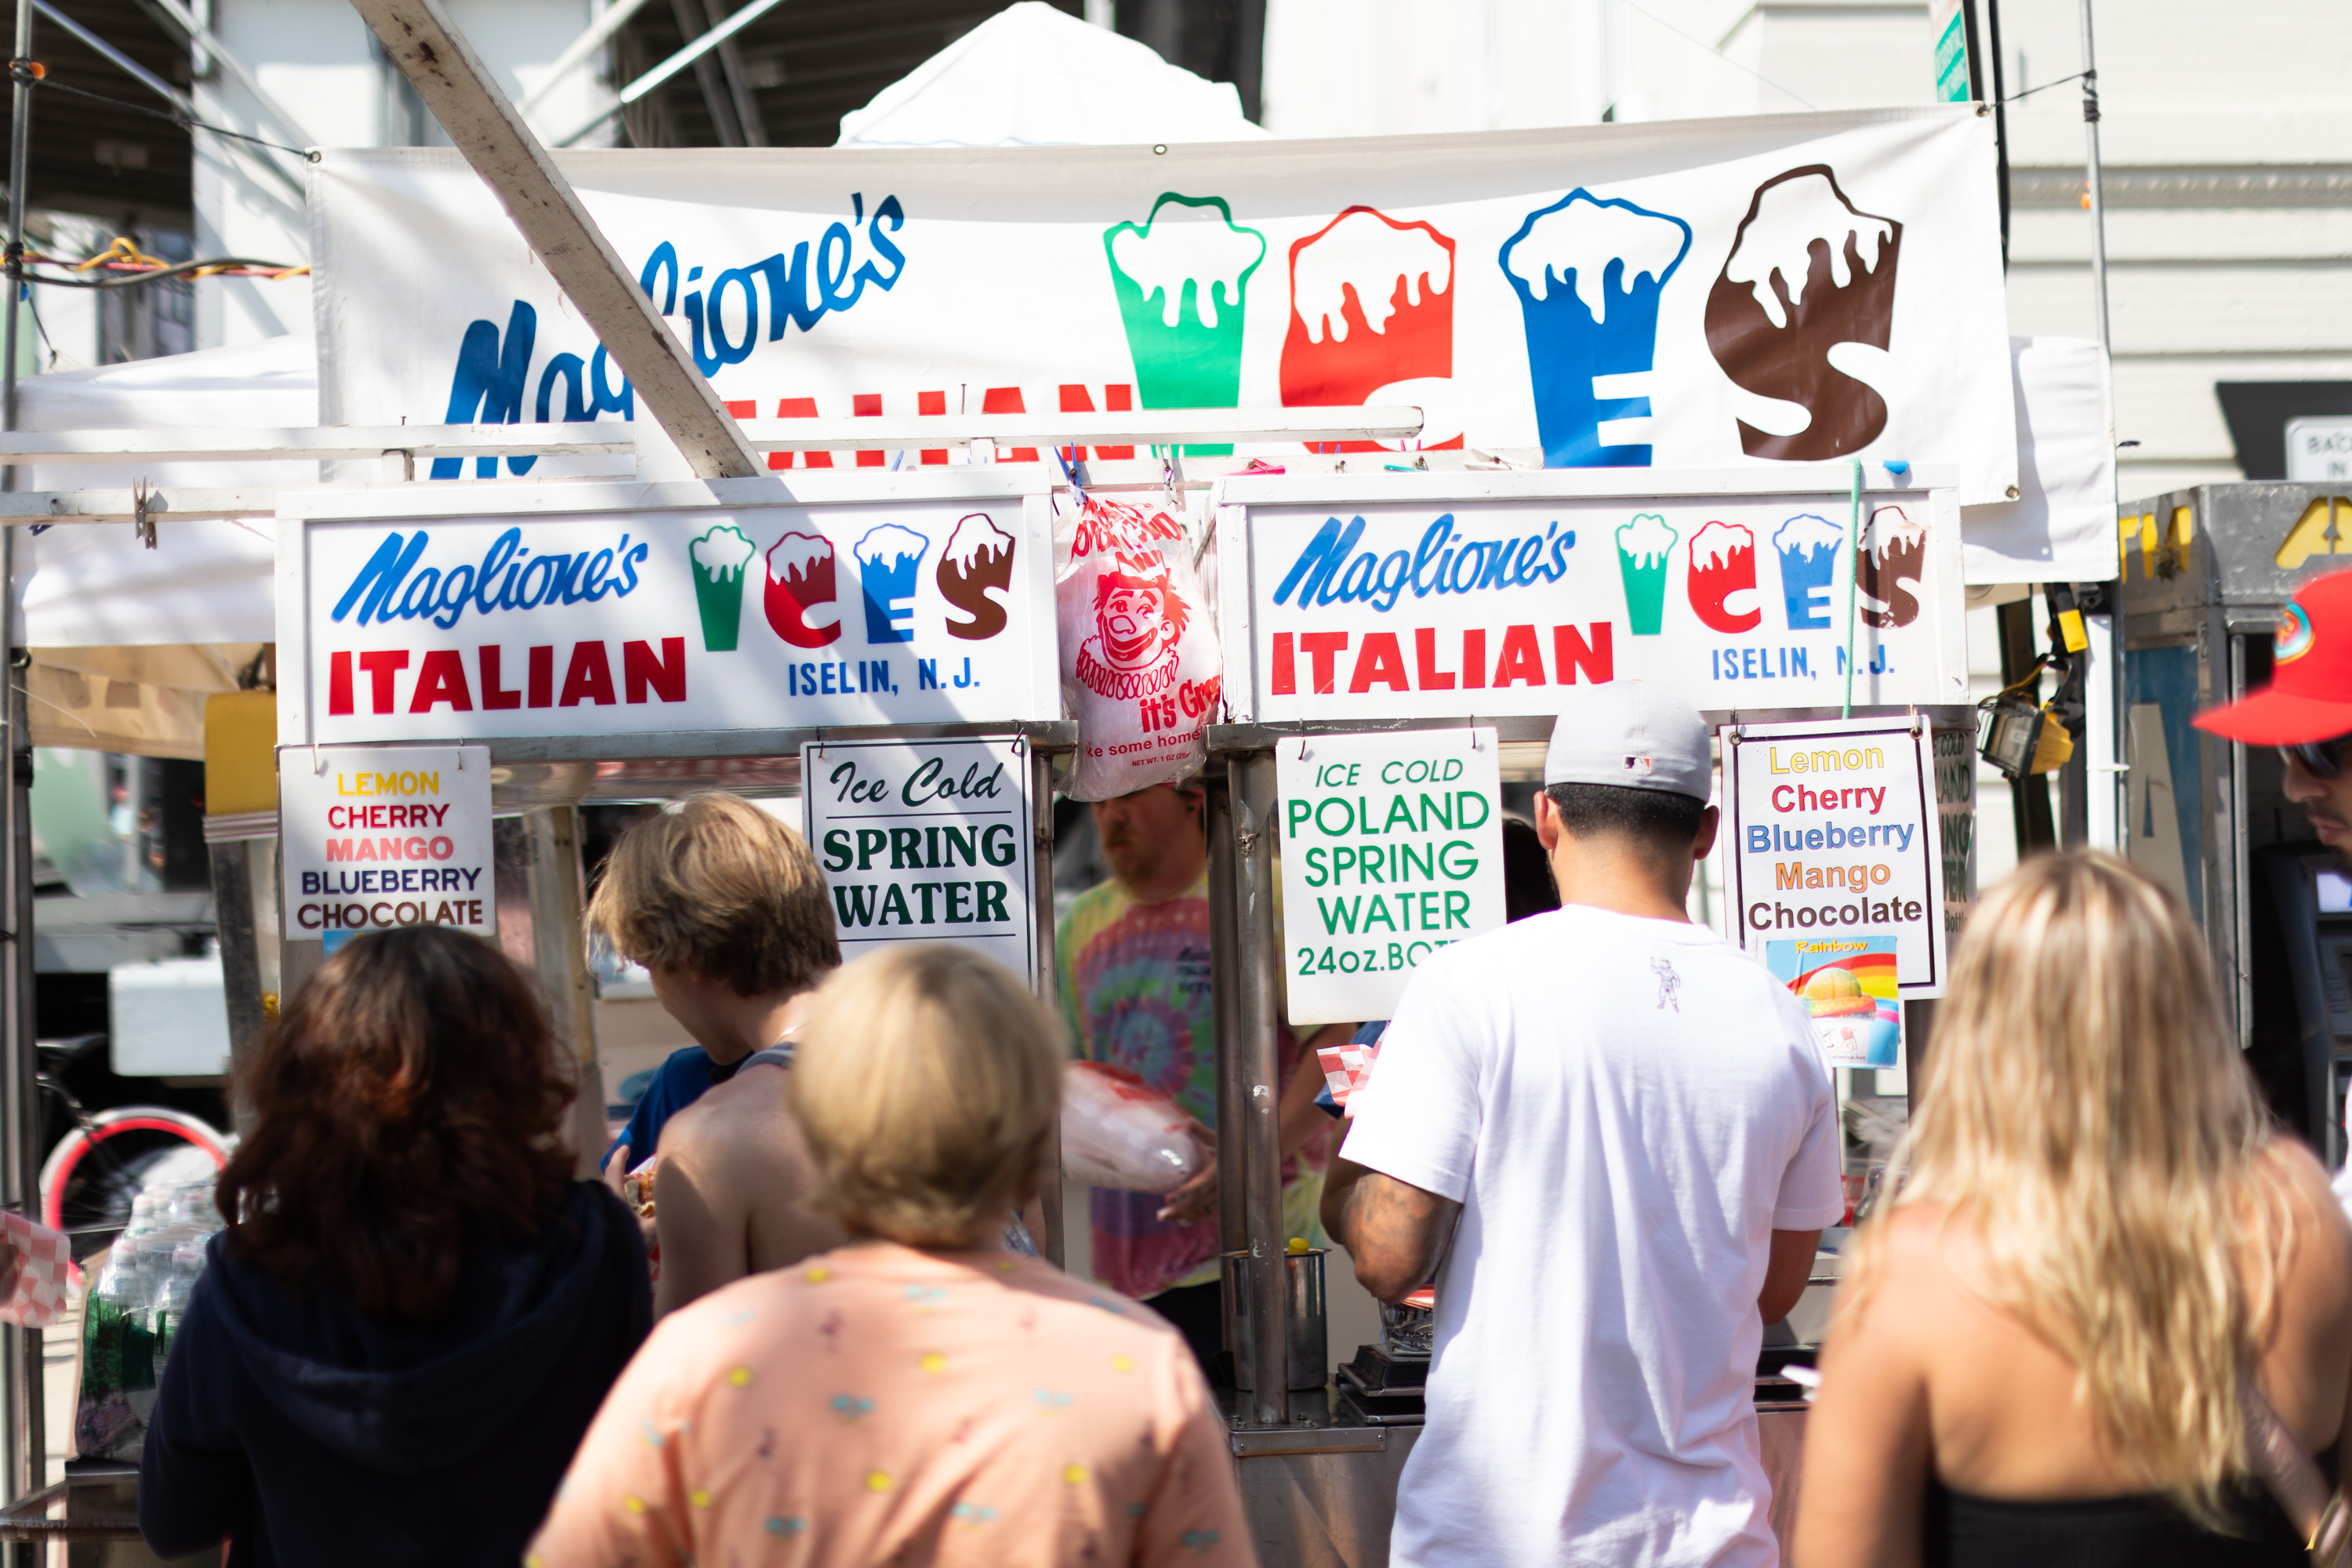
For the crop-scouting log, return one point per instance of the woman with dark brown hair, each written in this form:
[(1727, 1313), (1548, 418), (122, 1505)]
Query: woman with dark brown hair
[(415, 1312)]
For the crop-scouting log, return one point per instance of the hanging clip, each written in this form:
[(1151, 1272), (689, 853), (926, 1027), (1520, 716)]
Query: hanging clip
[(1020, 747), (1078, 491), (143, 521)]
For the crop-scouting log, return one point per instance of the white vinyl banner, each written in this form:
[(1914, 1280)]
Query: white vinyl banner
[(638, 621), (377, 837), (1363, 602), (1700, 293), (1391, 849), (924, 841), (1835, 840)]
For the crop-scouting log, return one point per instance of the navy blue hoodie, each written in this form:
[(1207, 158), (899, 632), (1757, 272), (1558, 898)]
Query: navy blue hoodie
[(308, 1432)]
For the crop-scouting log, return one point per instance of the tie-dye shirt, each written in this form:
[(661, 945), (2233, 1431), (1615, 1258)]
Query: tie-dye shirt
[(1135, 994), (878, 1405)]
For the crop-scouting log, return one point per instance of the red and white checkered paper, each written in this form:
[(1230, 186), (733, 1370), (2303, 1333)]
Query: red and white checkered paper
[(1346, 1069), (38, 1264)]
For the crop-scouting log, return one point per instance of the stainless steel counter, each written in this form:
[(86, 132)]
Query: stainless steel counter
[(1323, 1496)]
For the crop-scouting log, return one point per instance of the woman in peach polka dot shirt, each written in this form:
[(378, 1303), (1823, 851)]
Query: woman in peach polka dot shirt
[(915, 1396)]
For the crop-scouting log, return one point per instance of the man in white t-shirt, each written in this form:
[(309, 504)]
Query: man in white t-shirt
[(1627, 1132)]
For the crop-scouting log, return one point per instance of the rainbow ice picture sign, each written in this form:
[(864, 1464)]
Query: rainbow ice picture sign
[(1846, 983)]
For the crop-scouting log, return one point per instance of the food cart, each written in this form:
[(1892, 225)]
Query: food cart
[(2207, 574), (1389, 600)]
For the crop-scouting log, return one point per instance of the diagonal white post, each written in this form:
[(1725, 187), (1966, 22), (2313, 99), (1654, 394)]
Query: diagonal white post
[(458, 89)]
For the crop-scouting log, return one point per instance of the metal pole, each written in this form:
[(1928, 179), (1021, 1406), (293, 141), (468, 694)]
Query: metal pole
[(1225, 983), (2000, 120), (1258, 1138), (1041, 894), (20, 1180), (2094, 182), (2111, 647)]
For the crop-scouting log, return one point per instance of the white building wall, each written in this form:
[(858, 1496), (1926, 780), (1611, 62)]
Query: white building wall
[(2228, 151), (318, 62)]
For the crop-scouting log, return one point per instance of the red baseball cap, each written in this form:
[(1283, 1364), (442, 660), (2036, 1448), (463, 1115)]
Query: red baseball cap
[(2309, 697)]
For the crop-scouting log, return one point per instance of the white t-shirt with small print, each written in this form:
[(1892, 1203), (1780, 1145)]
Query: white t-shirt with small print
[(1626, 1109)]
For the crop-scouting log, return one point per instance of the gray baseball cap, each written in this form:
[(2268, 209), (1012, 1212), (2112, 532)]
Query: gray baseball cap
[(1632, 736)]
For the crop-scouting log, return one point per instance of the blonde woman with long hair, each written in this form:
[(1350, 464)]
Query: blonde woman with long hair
[(2095, 1234)]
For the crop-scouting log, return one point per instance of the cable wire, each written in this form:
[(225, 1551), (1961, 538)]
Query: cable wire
[(2045, 87), (189, 120)]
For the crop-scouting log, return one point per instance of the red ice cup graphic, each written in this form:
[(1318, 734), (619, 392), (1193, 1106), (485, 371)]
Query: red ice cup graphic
[(1722, 564), (801, 600), (1372, 305), (1808, 270), (978, 558), (1892, 553)]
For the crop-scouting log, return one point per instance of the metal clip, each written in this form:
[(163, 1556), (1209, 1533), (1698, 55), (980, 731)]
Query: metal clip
[(142, 522)]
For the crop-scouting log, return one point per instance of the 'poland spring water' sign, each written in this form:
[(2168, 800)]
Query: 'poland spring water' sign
[(1391, 850)]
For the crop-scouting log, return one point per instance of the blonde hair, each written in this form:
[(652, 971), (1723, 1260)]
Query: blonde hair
[(2088, 1111), (717, 886), (927, 1083)]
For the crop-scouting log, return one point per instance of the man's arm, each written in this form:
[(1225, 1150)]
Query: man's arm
[(704, 1226), (1393, 1231), (1298, 1119), (1788, 1273)]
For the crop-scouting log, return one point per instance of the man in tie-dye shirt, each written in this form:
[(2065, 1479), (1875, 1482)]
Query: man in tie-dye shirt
[(1133, 956)]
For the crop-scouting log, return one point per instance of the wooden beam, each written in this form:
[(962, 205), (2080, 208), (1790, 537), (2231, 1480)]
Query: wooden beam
[(464, 97)]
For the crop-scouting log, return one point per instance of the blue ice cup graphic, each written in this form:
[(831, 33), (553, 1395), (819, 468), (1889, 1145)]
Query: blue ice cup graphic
[(719, 555), (1645, 547), (1588, 274), (1810, 547), (886, 561)]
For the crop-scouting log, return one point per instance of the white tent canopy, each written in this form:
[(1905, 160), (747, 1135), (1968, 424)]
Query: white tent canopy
[(207, 581), (128, 642), (1031, 76)]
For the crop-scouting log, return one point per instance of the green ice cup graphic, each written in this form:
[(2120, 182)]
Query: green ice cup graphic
[(1645, 547), (1182, 278), (719, 556)]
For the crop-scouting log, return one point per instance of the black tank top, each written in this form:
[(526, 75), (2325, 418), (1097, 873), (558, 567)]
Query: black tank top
[(2142, 1531)]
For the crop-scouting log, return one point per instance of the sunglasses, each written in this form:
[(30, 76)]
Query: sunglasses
[(2322, 759)]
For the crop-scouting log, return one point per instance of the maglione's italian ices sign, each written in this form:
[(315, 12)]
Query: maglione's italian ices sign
[(1695, 295), (602, 622), (1389, 607)]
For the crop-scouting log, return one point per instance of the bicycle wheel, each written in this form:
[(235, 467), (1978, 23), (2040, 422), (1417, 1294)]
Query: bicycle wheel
[(89, 1179)]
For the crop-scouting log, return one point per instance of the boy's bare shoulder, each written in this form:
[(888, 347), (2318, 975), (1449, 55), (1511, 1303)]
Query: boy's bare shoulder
[(744, 1118)]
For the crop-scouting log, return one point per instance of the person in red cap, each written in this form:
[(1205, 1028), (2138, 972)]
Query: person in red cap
[(2307, 709)]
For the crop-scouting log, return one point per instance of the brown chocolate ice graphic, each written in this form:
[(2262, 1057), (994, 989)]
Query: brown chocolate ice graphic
[(1807, 270), (1893, 553), (978, 558)]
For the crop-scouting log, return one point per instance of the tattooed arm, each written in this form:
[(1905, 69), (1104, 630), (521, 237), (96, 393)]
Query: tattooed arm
[(1392, 1231)]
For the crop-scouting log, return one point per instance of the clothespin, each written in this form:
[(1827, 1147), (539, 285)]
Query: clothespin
[(1077, 489)]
